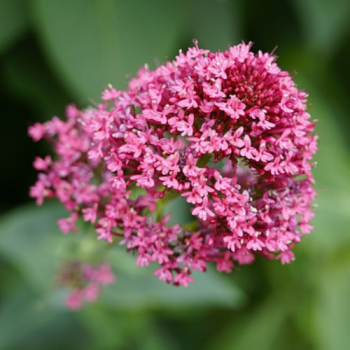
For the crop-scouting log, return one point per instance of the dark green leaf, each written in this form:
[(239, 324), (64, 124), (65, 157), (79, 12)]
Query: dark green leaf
[(332, 311), (216, 23), (138, 288), (93, 43), (325, 23), (257, 329), (27, 322), (29, 239), (180, 211), (98, 320), (28, 78), (13, 22), (332, 172)]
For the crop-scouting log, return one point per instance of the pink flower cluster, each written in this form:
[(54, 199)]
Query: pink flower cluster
[(229, 132), (84, 281)]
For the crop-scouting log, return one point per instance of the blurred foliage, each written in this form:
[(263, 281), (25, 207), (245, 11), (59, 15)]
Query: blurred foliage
[(54, 52)]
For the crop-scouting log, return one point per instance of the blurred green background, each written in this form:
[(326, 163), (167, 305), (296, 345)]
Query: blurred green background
[(56, 52)]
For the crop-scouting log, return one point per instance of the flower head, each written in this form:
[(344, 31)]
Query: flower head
[(228, 131)]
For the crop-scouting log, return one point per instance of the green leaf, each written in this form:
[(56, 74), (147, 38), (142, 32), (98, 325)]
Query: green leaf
[(260, 327), (329, 244), (333, 157), (204, 159), (26, 322), (29, 239), (331, 222), (216, 23), (21, 69), (93, 43), (325, 23), (332, 172), (98, 319), (138, 288), (13, 22), (332, 311), (180, 211), (32, 243)]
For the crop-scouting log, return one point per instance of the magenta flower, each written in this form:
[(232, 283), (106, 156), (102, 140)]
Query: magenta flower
[(229, 132)]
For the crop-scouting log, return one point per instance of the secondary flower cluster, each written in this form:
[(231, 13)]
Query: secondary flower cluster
[(226, 131), (84, 282)]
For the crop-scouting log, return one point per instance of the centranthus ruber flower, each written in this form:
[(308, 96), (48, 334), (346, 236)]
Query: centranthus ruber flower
[(84, 282), (228, 132)]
